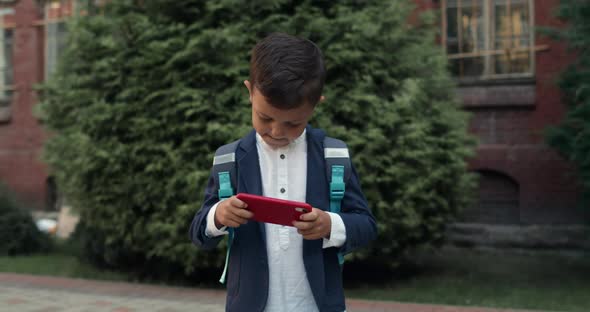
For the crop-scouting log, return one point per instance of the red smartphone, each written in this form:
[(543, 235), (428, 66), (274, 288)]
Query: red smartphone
[(274, 210)]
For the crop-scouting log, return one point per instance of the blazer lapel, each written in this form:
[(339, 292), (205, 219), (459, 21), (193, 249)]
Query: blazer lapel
[(248, 166), (249, 179), (317, 196), (315, 192)]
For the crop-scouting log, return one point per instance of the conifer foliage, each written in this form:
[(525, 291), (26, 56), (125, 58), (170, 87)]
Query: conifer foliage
[(18, 230), (572, 136), (147, 90)]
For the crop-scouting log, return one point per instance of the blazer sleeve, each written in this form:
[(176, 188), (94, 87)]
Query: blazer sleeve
[(199, 224), (359, 222)]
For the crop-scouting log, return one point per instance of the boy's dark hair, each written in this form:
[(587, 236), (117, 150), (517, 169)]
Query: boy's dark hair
[(289, 71)]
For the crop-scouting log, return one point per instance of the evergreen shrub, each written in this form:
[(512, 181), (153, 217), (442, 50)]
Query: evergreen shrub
[(572, 136), (147, 90), (18, 230)]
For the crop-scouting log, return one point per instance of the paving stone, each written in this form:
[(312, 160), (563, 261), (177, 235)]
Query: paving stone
[(30, 293)]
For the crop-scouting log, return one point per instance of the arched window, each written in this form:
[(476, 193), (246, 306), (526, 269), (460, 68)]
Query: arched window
[(497, 200)]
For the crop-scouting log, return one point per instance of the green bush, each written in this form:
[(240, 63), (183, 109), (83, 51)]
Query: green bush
[(148, 90), (18, 230), (572, 136)]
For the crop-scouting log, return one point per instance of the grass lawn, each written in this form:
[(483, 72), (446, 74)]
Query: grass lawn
[(57, 264), (60, 262), (540, 280)]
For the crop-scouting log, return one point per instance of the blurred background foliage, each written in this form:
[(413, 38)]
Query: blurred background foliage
[(18, 230), (147, 90), (572, 136)]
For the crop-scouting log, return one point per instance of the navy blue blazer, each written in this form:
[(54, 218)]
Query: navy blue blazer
[(247, 276)]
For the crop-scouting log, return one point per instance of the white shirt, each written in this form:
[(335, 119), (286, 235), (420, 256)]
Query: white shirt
[(284, 175)]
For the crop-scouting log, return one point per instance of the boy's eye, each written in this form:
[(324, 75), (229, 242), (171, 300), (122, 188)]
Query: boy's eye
[(293, 125), (265, 119)]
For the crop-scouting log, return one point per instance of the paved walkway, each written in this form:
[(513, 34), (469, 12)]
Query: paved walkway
[(24, 293)]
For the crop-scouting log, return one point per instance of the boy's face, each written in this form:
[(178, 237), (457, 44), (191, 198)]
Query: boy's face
[(277, 127)]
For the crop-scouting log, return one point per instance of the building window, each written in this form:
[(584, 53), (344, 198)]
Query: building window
[(6, 71), (489, 39), (55, 14)]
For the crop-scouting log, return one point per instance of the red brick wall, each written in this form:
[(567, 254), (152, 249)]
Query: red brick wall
[(497, 201), (21, 139), (509, 120)]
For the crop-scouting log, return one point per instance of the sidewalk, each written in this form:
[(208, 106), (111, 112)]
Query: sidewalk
[(22, 293)]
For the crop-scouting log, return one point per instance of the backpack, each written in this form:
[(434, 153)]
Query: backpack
[(338, 171)]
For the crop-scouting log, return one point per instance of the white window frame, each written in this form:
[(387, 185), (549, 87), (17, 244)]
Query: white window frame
[(487, 53)]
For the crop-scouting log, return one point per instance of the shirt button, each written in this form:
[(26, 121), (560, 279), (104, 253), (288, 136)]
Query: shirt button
[(282, 156), (282, 190)]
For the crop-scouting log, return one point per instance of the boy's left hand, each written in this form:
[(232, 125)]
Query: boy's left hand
[(315, 224)]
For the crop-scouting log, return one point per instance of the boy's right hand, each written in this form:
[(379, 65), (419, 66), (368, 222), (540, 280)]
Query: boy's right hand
[(232, 212)]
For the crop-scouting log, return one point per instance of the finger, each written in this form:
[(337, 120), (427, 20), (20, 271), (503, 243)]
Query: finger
[(311, 231), (243, 213), (236, 202), (315, 232), (303, 225), (237, 216), (310, 216), (308, 230), (230, 218), (231, 223), (228, 222), (236, 221)]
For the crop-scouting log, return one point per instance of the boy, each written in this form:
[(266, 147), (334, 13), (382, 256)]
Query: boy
[(274, 267)]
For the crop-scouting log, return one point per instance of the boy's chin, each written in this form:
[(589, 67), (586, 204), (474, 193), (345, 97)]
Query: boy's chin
[(276, 144)]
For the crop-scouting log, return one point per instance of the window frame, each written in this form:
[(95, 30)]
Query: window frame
[(9, 88), (45, 22), (487, 54)]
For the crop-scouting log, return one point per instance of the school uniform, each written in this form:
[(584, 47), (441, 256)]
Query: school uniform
[(265, 271)]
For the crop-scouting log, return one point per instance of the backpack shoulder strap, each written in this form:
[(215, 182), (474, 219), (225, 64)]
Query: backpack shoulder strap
[(338, 171), (224, 174), (224, 169)]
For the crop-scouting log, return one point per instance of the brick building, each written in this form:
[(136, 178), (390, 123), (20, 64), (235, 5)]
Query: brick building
[(506, 74), (505, 71), (31, 36)]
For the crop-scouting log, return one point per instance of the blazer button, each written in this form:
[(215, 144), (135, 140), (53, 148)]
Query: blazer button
[(282, 190), (282, 156)]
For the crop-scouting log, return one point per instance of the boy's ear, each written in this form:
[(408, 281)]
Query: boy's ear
[(322, 98), (249, 86)]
